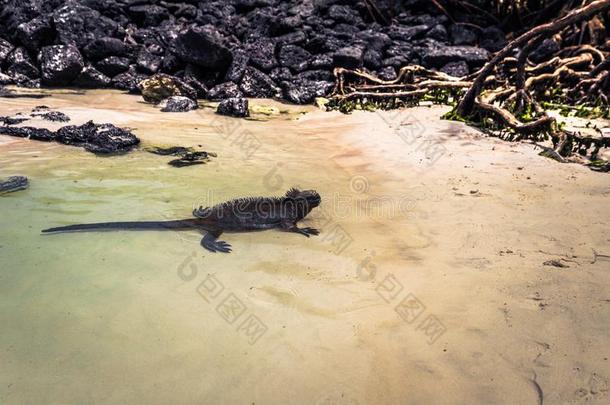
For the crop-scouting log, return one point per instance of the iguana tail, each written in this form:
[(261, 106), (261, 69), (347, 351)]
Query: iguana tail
[(136, 226)]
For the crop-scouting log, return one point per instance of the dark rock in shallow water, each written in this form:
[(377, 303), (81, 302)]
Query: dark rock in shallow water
[(191, 159), (188, 156), (38, 134), (90, 77), (55, 116), (60, 64), (13, 183), (161, 86), (12, 120), (350, 57), (224, 91), (178, 104), (440, 56), (234, 107), (456, 69), (98, 138), (170, 151), (203, 46)]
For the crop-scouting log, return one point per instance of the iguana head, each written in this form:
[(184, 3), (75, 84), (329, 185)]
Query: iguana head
[(305, 200)]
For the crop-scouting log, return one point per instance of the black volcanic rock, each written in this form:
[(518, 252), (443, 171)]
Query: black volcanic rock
[(294, 57), (148, 15), (257, 84), (128, 81), (457, 69), (104, 47), (98, 138), (305, 91), (178, 104), (13, 183), (60, 64), (440, 56), (235, 48), (36, 33), (224, 91), (349, 57), (234, 107), (204, 47), (21, 66), (147, 62), (5, 49), (262, 54), (113, 65), (92, 78), (78, 25), (37, 134)]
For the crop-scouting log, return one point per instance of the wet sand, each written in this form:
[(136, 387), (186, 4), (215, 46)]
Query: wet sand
[(427, 283)]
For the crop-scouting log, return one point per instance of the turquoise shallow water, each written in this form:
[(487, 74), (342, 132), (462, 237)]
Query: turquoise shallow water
[(117, 317)]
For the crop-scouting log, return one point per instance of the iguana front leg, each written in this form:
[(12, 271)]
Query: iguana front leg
[(210, 242), (292, 227)]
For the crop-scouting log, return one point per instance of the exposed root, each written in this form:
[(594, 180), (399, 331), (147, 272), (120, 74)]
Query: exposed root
[(509, 94)]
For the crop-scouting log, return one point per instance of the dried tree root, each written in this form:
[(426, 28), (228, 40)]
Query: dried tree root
[(507, 90), (467, 102)]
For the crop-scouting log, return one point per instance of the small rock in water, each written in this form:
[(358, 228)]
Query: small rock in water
[(170, 151), (14, 183), (98, 138), (54, 116), (37, 134), (12, 120), (191, 159), (234, 107), (188, 156), (178, 104)]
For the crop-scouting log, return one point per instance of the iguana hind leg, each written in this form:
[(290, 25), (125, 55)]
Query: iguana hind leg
[(210, 242), (292, 227)]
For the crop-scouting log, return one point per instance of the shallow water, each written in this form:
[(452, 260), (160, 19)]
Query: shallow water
[(151, 317)]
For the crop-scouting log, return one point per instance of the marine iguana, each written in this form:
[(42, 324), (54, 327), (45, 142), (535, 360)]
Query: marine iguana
[(239, 215)]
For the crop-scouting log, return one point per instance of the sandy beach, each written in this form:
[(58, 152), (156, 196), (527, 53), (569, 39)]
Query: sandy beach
[(451, 268)]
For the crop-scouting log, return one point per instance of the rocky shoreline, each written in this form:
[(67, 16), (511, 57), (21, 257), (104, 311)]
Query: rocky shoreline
[(228, 49)]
